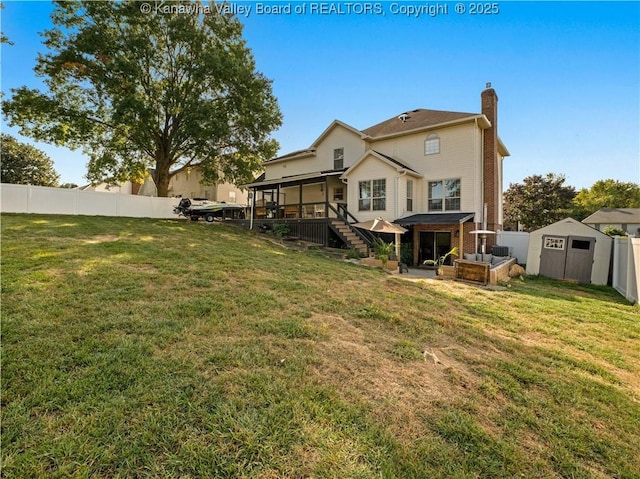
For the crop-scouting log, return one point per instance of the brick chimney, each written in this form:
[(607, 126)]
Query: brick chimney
[(491, 186)]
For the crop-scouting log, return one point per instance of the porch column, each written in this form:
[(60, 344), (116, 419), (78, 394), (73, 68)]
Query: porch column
[(252, 192), (300, 201), (326, 196)]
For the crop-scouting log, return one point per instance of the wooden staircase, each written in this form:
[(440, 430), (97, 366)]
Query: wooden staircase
[(345, 231)]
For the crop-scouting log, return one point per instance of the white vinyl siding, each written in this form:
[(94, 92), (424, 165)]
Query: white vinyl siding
[(459, 157), (339, 138)]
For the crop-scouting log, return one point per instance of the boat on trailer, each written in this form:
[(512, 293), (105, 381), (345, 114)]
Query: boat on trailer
[(196, 208)]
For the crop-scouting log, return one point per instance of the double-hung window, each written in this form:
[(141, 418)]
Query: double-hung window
[(372, 195), (409, 195), (338, 158), (444, 195)]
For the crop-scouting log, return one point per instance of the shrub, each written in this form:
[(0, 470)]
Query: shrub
[(383, 251), (281, 229), (353, 254), (613, 231)]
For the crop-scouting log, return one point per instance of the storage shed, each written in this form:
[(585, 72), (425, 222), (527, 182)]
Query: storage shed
[(570, 250)]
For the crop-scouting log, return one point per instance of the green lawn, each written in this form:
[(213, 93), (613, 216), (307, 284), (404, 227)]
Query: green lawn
[(152, 348)]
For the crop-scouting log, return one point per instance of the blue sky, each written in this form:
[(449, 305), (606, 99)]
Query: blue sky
[(567, 75)]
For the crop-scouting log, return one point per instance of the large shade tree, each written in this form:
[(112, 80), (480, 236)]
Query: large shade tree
[(608, 194), (23, 164), (169, 89), (538, 201)]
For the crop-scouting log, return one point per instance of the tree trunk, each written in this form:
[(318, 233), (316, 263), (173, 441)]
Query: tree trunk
[(162, 176), (162, 183)]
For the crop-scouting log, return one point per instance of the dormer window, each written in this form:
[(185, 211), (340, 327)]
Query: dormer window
[(338, 158), (432, 144)]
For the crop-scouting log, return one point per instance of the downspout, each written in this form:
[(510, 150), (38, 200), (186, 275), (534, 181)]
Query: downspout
[(397, 235), (397, 182), (461, 239)]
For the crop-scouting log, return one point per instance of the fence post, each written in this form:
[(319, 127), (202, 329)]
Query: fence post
[(616, 256), (633, 269)]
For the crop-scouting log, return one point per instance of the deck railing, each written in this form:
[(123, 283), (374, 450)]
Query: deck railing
[(291, 211)]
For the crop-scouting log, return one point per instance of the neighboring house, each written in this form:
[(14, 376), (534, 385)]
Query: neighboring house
[(438, 173), (183, 184), (146, 188), (626, 219), (187, 184)]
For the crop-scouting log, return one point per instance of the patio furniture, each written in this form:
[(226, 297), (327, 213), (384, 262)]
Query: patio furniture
[(291, 211), (309, 211)]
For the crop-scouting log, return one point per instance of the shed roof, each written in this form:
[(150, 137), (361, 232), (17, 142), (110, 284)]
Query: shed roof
[(576, 227)]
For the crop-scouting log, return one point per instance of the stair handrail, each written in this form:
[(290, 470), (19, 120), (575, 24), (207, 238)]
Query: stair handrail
[(364, 235)]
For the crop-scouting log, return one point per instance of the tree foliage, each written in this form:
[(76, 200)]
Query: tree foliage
[(23, 164), (538, 201), (171, 89), (608, 194), (3, 37)]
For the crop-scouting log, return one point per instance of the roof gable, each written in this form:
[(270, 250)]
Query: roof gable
[(393, 163), (335, 124)]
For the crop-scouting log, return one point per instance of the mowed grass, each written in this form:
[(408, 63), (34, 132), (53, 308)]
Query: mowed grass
[(168, 349)]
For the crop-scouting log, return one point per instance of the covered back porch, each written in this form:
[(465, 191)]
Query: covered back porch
[(311, 196), (314, 206)]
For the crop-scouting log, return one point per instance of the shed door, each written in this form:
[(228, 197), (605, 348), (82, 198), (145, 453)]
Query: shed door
[(553, 256), (579, 261)]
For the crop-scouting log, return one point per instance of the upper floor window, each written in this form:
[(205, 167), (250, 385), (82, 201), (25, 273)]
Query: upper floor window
[(444, 195), (372, 195), (409, 195), (338, 158), (432, 144)]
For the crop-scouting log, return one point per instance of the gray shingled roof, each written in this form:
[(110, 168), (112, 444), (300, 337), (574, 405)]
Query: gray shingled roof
[(419, 118), (614, 216)]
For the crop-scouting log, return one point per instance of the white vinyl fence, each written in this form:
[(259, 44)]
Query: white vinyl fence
[(518, 243), (626, 267), (61, 201)]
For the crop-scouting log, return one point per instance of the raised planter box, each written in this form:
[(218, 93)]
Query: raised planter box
[(447, 272), (472, 271), (391, 265)]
